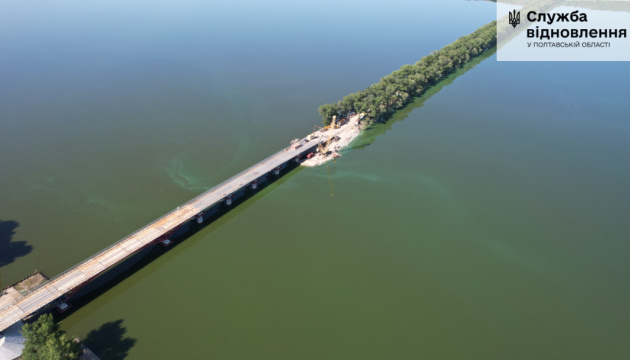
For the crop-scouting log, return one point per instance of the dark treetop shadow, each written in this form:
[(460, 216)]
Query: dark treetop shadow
[(10, 249), (109, 342)]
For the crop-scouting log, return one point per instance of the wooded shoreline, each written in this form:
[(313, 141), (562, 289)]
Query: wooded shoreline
[(380, 100)]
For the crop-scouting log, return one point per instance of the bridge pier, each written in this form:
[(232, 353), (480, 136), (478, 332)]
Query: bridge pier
[(166, 242), (199, 218), (62, 306)]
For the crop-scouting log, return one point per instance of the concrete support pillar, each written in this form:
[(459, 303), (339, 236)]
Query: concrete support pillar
[(62, 306), (228, 200), (199, 218), (254, 184), (276, 171)]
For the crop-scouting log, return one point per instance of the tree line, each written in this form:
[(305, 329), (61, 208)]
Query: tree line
[(394, 91), (45, 341)]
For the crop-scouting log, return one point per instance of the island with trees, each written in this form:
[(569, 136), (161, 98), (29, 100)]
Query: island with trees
[(380, 100)]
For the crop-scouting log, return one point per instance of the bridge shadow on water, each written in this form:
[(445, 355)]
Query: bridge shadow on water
[(131, 265), (377, 129), (9, 248), (108, 342)]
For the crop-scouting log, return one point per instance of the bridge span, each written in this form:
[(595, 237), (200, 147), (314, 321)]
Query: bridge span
[(159, 230)]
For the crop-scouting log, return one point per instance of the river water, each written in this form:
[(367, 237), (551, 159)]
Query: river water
[(486, 221)]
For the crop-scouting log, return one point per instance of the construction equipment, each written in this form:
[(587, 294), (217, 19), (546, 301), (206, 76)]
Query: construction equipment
[(296, 143), (333, 123), (316, 129), (322, 148)]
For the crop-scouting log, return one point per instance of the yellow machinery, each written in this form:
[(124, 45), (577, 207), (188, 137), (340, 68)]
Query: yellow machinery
[(323, 147), (333, 123)]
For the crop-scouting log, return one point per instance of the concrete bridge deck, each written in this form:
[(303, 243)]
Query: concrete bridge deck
[(99, 263)]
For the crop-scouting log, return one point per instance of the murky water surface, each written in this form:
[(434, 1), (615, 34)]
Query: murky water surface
[(487, 221)]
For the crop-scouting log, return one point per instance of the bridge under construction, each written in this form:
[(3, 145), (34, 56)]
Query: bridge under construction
[(56, 290)]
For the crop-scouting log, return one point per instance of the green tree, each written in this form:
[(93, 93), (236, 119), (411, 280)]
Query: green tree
[(327, 111), (44, 341), (394, 91)]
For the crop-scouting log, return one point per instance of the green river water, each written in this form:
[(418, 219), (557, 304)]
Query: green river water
[(486, 221)]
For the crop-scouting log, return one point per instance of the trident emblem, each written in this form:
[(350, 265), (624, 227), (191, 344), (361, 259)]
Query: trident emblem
[(515, 18)]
